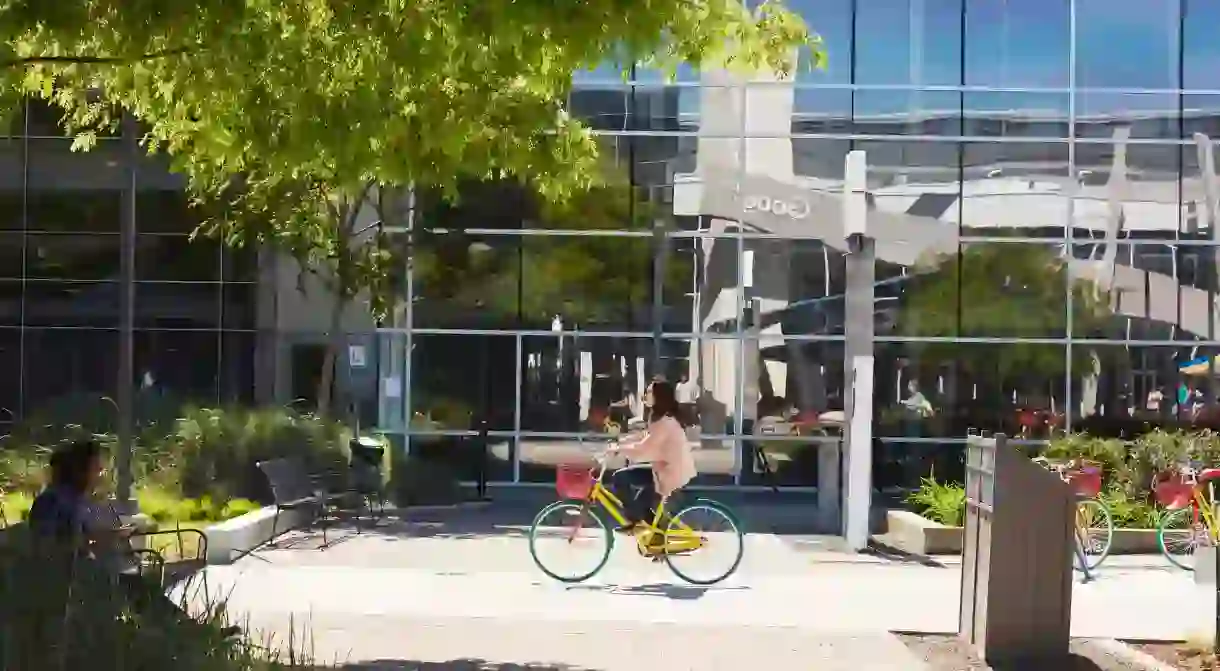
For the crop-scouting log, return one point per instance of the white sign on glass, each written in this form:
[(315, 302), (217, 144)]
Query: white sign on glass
[(393, 387), (795, 209)]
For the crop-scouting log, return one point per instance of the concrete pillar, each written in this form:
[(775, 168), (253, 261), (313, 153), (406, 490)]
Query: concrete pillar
[(829, 464), (858, 355)]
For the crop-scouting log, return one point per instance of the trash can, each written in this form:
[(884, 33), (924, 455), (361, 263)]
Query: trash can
[(365, 463)]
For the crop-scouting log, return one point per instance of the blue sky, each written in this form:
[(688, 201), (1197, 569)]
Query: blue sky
[(1120, 44)]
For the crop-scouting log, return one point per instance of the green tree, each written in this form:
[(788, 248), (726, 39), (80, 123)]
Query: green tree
[(1007, 290), (393, 91), (290, 113)]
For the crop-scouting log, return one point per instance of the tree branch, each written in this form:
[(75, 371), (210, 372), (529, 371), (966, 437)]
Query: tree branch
[(99, 60)]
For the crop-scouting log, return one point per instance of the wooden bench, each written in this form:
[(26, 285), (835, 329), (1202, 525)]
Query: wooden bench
[(293, 487)]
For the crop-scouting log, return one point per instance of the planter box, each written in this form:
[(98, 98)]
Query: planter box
[(236, 537), (919, 535), (1135, 542), (913, 533)]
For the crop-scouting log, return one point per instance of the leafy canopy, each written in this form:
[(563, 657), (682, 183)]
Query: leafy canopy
[(316, 104), (427, 92)]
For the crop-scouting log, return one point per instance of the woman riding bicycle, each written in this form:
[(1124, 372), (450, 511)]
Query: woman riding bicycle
[(662, 462)]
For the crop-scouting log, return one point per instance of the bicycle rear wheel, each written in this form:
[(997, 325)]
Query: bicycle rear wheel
[(1178, 535), (1094, 531), (704, 543), (569, 541)]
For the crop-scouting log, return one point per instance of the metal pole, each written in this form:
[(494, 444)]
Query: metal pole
[(659, 251), (517, 376), (858, 329), (127, 271), (408, 323)]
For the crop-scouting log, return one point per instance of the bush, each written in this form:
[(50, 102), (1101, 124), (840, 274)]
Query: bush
[(1128, 512), (940, 502), (1129, 466), (21, 471), (14, 507), (415, 481), (1110, 453), (166, 508), (204, 468), (215, 451)]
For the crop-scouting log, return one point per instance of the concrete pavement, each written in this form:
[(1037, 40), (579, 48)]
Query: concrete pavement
[(416, 592)]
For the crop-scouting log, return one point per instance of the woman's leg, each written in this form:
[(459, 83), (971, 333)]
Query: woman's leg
[(634, 487)]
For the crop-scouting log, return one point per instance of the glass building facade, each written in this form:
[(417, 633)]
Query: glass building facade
[(1041, 186), (95, 256)]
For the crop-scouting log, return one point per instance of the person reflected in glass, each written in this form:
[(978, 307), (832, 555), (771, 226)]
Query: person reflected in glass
[(661, 461), (621, 411), (687, 393)]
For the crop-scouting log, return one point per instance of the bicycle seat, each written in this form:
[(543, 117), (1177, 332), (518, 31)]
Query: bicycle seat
[(1209, 474)]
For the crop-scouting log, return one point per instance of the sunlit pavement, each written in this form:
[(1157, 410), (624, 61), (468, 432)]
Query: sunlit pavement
[(424, 577)]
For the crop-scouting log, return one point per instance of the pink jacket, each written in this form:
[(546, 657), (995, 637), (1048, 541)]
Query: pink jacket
[(665, 446)]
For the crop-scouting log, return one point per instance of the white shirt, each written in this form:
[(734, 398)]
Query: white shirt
[(686, 392)]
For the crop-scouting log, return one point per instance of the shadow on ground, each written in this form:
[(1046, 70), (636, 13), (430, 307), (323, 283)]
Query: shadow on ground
[(456, 524), (452, 665), (1069, 663), (663, 590)]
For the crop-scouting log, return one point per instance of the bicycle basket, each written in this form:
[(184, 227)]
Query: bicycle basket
[(1085, 479), (1171, 491), (573, 481)]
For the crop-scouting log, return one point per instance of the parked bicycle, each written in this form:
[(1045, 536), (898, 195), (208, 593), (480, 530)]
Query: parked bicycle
[(1094, 523), (1188, 493), (685, 545)]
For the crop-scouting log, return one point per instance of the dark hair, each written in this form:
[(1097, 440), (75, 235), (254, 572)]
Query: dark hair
[(71, 463), (664, 402)]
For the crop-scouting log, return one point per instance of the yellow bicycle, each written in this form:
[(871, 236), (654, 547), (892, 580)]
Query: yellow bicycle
[(577, 524)]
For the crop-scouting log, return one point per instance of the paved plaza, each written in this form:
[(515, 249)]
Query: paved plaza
[(413, 592)]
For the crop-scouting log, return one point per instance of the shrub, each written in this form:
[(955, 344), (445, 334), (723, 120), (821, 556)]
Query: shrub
[(1128, 512), (21, 470), (14, 506), (415, 481), (215, 451), (237, 508), (1129, 466), (944, 503), (1110, 453)]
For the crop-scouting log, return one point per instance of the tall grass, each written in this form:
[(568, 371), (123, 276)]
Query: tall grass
[(62, 613)]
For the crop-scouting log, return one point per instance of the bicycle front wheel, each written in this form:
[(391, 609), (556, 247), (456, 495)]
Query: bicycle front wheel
[(570, 541), (1179, 534), (1094, 533), (704, 543)]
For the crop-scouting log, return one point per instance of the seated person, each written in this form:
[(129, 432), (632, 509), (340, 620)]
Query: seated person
[(66, 511), (662, 460)]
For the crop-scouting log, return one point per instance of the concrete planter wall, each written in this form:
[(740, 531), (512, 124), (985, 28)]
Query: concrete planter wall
[(919, 535), (235, 537), (913, 533)]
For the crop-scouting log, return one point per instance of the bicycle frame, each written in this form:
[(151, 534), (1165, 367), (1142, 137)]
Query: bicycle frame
[(679, 539), (1202, 507), (1079, 524)]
